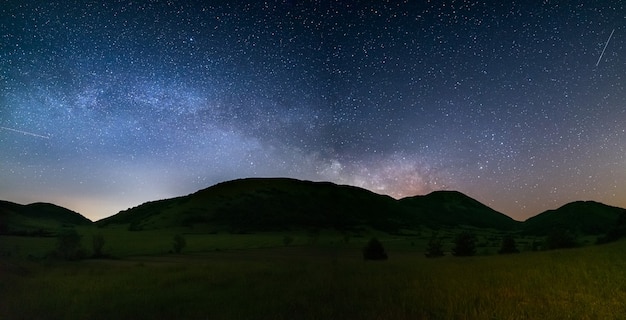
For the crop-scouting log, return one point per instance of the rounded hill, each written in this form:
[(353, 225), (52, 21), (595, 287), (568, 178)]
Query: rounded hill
[(257, 204)]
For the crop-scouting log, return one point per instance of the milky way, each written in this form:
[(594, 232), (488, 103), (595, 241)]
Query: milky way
[(145, 100)]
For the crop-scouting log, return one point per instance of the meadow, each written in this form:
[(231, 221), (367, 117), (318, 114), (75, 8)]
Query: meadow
[(259, 276)]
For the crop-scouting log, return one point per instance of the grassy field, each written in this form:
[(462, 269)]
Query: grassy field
[(258, 277), (120, 243)]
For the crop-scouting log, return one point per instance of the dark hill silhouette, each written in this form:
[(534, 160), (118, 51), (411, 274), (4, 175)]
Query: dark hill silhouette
[(43, 218), (453, 208), (268, 204), (256, 204), (587, 217)]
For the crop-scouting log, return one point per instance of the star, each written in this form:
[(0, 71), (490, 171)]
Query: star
[(103, 107)]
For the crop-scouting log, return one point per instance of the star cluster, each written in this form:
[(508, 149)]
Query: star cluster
[(520, 105)]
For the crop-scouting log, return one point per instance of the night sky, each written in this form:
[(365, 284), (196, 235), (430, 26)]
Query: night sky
[(518, 104)]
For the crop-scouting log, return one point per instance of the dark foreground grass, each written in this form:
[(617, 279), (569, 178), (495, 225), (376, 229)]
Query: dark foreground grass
[(316, 283)]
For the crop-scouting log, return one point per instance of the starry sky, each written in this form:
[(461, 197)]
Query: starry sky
[(518, 104)]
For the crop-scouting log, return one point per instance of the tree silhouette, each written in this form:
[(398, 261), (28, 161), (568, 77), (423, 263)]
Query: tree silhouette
[(97, 243), (179, 243), (68, 245), (287, 240), (464, 245), (560, 239), (4, 226), (617, 232), (508, 245), (434, 248), (374, 251)]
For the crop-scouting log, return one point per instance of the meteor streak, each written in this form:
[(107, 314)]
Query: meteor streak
[(25, 132), (605, 45)]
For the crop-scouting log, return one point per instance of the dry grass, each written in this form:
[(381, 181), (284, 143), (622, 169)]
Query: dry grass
[(320, 283)]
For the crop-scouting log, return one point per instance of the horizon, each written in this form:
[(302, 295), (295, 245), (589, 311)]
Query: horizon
[(517, 105), (182, 195)]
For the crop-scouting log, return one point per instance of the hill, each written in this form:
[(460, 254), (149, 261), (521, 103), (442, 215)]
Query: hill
[(262, 204), (453, 208), (37, 218), (274, 204), (586, 217)]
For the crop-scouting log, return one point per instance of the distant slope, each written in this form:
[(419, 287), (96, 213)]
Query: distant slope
[(146, 212), (268, 204), (37, 217), (258, 204), (453, 208), (587, 217)]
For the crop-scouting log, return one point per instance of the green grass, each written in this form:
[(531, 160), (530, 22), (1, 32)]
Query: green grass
[(320, 281), (120, 243)]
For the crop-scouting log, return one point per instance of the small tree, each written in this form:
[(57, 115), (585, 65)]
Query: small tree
[(287, 240), (464, 245), (374, 251), (97, 244), (561, 239), (4, 226), (617, 232), (508, 245), (536, 245), (179, 243), (68, 245), (314, 235), (434, 248)]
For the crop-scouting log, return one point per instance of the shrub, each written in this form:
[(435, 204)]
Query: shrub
[(97, 244), (314, 236), (374, 251), (508, 245), (68, 245), (617, 232), (134, 226), (434, 248), (561, 239), (464, 245), (179, 243), (287, 240)]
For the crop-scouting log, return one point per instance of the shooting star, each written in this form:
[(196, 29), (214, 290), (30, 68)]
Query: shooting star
[(605, 45), (26, 133)]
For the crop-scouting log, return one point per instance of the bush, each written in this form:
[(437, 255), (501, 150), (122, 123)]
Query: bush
[(434, 248), (97, 244), (561, 239), (134, 226), (287, 240), (617, 232), (508, 245), (536, 245), (374, 251), (464, 245), (68, 245), (314, 236), (179, 243)]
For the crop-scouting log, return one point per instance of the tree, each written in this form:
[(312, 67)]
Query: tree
[(97, 243), (508, 245), (314, 235), (374, 251), (434, 248), (561, 239), (134, 226), (617, 232), (179, 243), (4, 226), (464, 245), (287, 240), (68, 245)]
